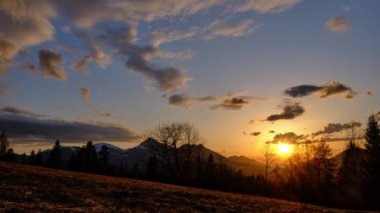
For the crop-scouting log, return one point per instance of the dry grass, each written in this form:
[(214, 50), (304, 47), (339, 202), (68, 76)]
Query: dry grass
[(34, 189)]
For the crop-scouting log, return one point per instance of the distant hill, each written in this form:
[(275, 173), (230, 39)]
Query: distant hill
[(340, 156)]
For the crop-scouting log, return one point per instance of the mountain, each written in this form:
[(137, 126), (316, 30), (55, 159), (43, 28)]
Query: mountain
[(339, 157), (140, 154)]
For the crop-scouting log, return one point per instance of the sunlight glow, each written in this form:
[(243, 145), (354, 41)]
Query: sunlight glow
[(285, 149)]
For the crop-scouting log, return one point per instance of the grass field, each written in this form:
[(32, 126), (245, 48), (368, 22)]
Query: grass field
[(34, 189)]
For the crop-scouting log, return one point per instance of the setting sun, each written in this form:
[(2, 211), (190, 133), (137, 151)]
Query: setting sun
[(284, 149)]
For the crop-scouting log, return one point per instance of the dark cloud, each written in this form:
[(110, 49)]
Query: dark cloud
[(272, 131), (369, 93), (234, 103), (30, 67), (290, 110), (336, 127), (181, 100), (288, 137), (165, 78), (23, 129), (255, 133), (328, 89), (251, 122), (50, 64), (17, 111)]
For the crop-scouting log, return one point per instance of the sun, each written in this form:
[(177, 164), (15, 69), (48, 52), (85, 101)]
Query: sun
[(285, 149)]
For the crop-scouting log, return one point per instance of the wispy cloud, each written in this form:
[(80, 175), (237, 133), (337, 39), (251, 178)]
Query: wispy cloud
[(338, 24), (85, 94), (265, 6), (222, 27)]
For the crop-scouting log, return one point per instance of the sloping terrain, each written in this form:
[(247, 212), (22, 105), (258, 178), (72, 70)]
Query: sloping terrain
[(34, 189)]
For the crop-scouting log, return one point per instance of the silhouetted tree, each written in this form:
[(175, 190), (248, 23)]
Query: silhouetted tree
[(90, 158), (172, 136), (4, 144), (54, 159), (324, 166), (372, 162), (269, 156)]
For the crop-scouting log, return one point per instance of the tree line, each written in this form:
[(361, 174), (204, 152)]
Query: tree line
[(310, 175)]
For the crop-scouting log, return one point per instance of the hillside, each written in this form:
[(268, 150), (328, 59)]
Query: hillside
[(28, 188)]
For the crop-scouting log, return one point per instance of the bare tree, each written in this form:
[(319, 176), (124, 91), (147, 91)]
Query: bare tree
[(172, 136), (269, 156)]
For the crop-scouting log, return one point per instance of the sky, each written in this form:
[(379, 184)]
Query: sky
[(245, 73)]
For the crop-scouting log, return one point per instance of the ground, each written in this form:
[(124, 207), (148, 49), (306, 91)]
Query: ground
[(34, 189)]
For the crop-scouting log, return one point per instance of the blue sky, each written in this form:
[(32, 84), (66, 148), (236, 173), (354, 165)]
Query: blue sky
[(241, 54)]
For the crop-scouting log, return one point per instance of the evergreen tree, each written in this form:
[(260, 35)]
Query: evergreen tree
[(372, 162), (4, 144), (90, 158), (54, 159)]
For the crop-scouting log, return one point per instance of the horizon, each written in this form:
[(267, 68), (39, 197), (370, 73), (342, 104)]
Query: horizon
[(244, 73)]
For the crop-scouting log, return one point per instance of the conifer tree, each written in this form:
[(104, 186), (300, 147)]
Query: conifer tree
[(372, 162)]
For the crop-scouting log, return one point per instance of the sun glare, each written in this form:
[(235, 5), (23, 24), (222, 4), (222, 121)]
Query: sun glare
[(285, 149)]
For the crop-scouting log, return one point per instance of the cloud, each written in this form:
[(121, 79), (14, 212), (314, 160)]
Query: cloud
[(167, 35), (325, 90), (336, 127), (166, 79), (50, 64), (272, 131), (23, 128), (288, 137), (221, 27), (251, 122), (23, 24), (7, 51), (86, 15), (181, 100), (96, 55), (234, 103), (338, 24), (85, 94), (265, 6), (290, 110), (17, 111), (255, 133), (369, 93)]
